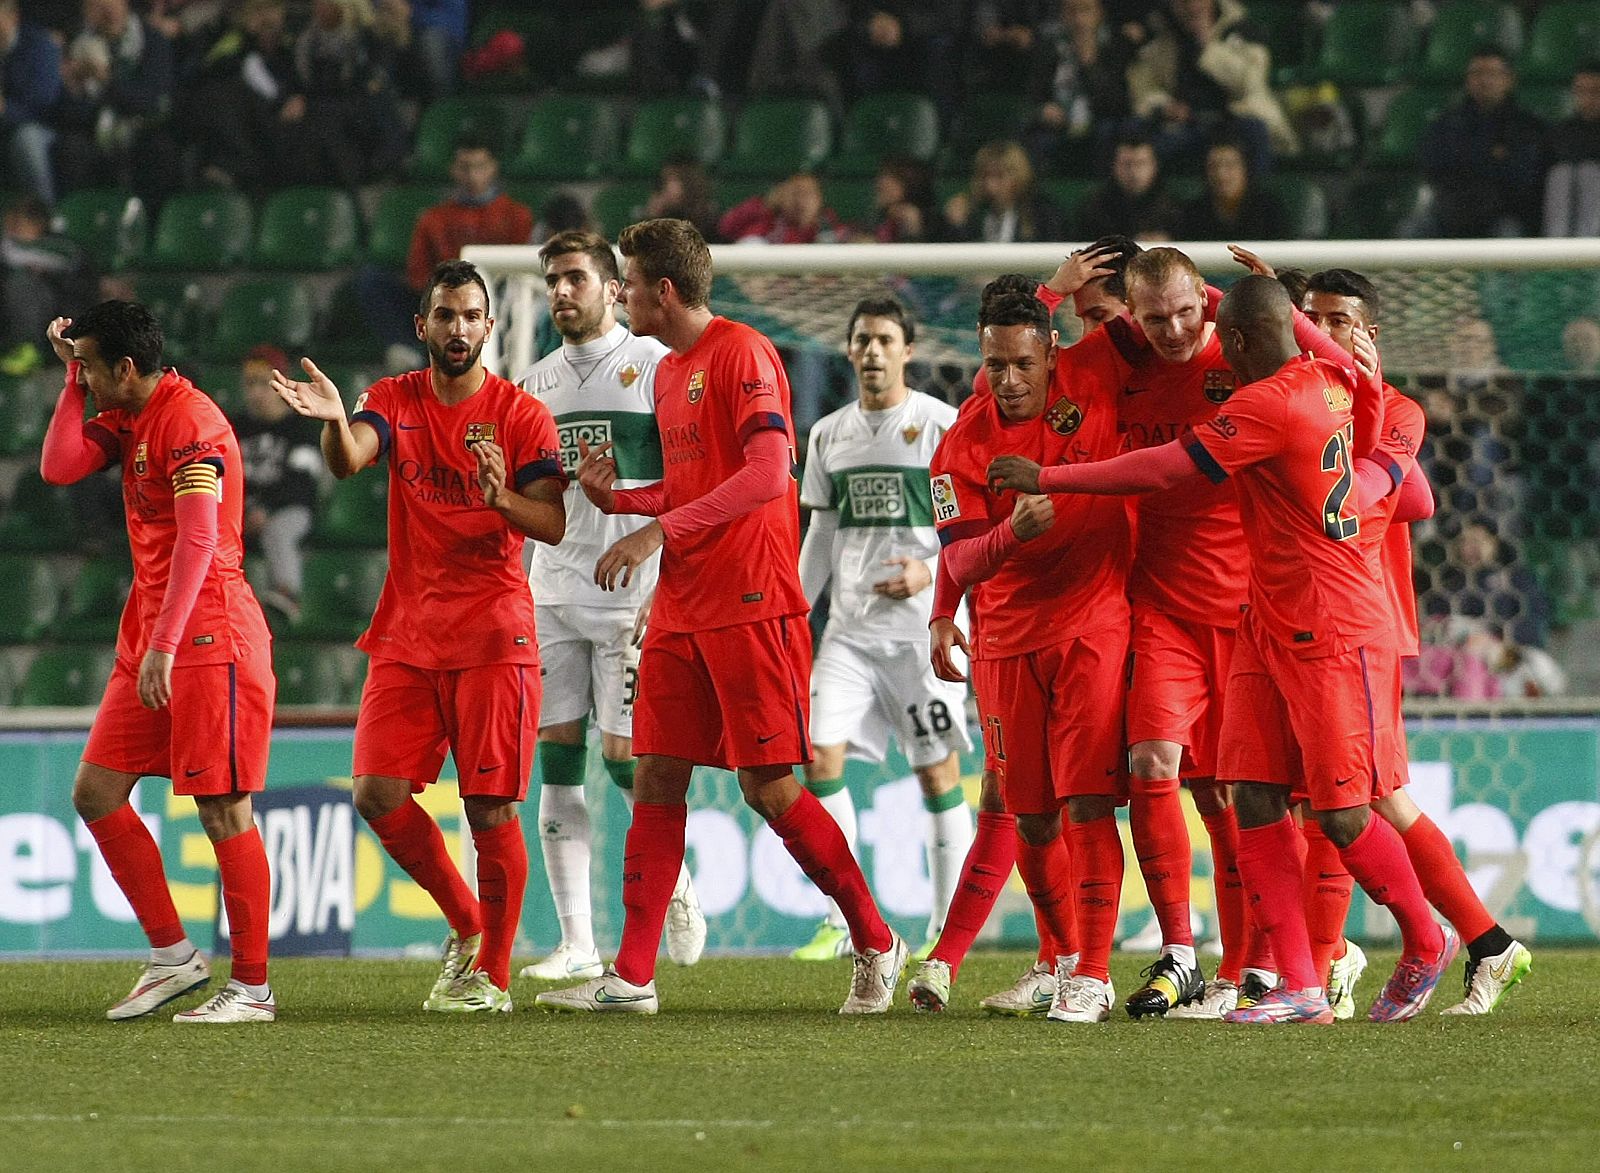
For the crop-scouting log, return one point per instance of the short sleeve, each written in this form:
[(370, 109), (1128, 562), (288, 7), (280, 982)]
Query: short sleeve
[(759, 392), (816, 489), (958, 496), (373, 408), (195, 432), (537, 454), (1403, 424), (1249, 430)]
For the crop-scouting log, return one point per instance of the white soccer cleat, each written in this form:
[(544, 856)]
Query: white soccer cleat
[(565, 964), (455, 962), (1082, 999), (1343, 974), (607, 993), (686, 924), (930, 988), (874, 977), (1489, 980), (1029, 997), (1218, 998), (160, 984), (231, 1004), (470, 993)]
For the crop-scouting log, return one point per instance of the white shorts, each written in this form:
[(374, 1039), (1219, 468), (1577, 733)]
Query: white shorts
[(863, 691), (590, 665)]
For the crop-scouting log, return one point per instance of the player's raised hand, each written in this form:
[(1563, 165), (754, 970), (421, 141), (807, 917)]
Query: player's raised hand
[(943, 638), (1013, 472), (1252, 262), (1079, 269), (1033, 515), (914, 576), (316, 398), (616, 566), (59, 343), (597, 472), (491, 470), (155, 679)]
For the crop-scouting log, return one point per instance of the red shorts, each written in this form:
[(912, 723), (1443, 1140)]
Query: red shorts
[(1324, 727), (486, 716), (1052, 721), (212, 738), (732, 696), (1179, 678)]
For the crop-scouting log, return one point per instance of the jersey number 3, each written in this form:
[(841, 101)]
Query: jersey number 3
[(1336, 458)]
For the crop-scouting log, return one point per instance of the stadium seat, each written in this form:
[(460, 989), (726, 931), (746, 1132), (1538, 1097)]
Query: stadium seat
[(1562, 37), (263, 309), (108, 223), (855, 201), (177, 304), (982, 118), (1552, 103), (1305, 206), (1403, 123), (355, 512), (1463, 26), (775, 137), (881, 125), (93, 603), (23, 414), (447, 120), (1366, 43), (308, 228), (567, 138), (341, 588), (308, 673), (394, 220), (1284, 29), (32, 598), (41, 518), (208, 231), (66, 677), (617, 205), (667, 127)]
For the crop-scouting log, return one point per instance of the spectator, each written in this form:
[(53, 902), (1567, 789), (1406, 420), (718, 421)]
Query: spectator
[(111, 122), (904, 198), (902, 45), (1002, 206), (791, 48), (43, 275), (1572, 185), (682, 191), (664, 49), (1202, 75), (561, 212), (439, 30), (1233, 206), (1005, 41), (282, 461), (30, 84), (190, 26), (1580, 345), (791, 212), (1080, 85), (1482, 156), (242, 103), (1134, 200)]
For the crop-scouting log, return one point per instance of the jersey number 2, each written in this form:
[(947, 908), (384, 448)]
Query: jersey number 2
[(1336, 458)]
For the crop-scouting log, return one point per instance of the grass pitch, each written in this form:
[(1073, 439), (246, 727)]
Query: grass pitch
[(749, 1066)]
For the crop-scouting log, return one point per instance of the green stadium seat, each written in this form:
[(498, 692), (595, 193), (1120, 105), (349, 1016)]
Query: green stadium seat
[(617, 205), (93, 604), (208, 231), (110, 224), (1562, 37), (666, 128), (1552, 103), (1366, 43), (1463, 26), (1284, 30), (1403, 123), (445, 121), (881, 125), (1305, 205), (308, 673), (263, 309), (775, 137), (855, 201), (23, 414), (983, 118), (355, 512), (41, 518), (394, 220), (178, 305), (69, 677), (340, 591), (308, 228), (567, 138), (32, 598)]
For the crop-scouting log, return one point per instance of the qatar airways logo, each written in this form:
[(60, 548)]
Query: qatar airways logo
[(439, 484), (590, 432), (877, 495)]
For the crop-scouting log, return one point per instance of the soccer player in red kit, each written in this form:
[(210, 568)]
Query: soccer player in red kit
[(1314, 648), (192, 692), (724, 675), (474, 468)]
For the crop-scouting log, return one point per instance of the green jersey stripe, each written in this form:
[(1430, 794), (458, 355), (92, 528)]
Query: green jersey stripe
[(883, 495), (636, 443)]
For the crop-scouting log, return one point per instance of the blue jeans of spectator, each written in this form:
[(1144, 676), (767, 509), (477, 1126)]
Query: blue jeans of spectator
[(28, 160)]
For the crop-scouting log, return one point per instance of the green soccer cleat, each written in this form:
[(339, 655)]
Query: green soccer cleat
[(829, 942), (1343, 974), (930, 988), (1491, 979), (470, 994), (457, 958), (1168, 983)]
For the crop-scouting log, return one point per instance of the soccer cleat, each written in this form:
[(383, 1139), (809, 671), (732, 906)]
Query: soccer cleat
[(1081, 999), (565, 963), (1029, 997), (686, 924), (607, 993), (1252, 990), (930, 988), (1343, 974), (456, 960), (1279, 1007), (829, 942), (1408, 989), (1491, 978), (1216, 999), (874, 976), (160, 984), (231, 1004), (469, 994), (1169, 982)]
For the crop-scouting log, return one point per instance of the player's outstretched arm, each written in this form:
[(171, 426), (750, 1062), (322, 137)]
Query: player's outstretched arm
[(537, 510), (1147, 470), (70, 454), (346, 447)]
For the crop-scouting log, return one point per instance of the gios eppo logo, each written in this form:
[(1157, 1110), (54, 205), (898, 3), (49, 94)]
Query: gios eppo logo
[(876, 495), (590, 432)]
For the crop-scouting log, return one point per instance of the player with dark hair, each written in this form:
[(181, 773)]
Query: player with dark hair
[(474, 468), (726, 658), (192, 693)]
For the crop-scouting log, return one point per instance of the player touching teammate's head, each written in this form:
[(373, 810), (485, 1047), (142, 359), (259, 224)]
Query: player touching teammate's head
[(582, 281), (1255, 325), (1019, 352), (119, 345), (1340, 302), (454, 322), (1167, 297), (1294, 281), (878, 345)]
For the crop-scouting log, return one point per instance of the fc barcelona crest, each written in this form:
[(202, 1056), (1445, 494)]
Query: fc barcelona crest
[(479, 434), (1064, 417), (629, 374), (140, 455), (697, 386), (910, 432), (1219, 385)]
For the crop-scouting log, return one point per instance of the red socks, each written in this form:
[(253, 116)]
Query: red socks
[(1047, 874), (1443, 879), (1328, 887), (247, 895), (1097, 861), (650, 862), (983, 876), (1269, 864), (820, 848), (1378, 861), (1161, 841), (1222, 828), (415, 842), (134, 861), (502, 879)]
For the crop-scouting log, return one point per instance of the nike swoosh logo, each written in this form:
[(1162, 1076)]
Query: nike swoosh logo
[(604, 996), (764, 740), (487, 769), (411, 427), (1503, 972), (195, 773), (1134, 390)]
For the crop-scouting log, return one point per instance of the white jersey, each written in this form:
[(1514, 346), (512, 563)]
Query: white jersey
[(872, 468), (599, 391)]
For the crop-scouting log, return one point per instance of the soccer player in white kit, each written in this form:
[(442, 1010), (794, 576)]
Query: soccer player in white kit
[(600, 386), (872, 535)]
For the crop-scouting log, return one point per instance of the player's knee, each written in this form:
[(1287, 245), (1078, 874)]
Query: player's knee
[(1155, 761), (769, 791), (485, 814), (91, 801), (223, 816), (940, 779), (1343, 826), (1398, 810), (374, 799), (1210, 796), (1087, 808), (1259, 804), (1039, 830)]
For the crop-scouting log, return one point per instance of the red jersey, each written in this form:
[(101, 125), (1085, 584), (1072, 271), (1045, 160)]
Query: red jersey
[(181, 426), (1404, 422), (1286, 439), (709, 401), (1070, 580), (455, 595)]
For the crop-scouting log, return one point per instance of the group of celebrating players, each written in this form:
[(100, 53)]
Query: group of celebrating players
[(1180, 545)]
